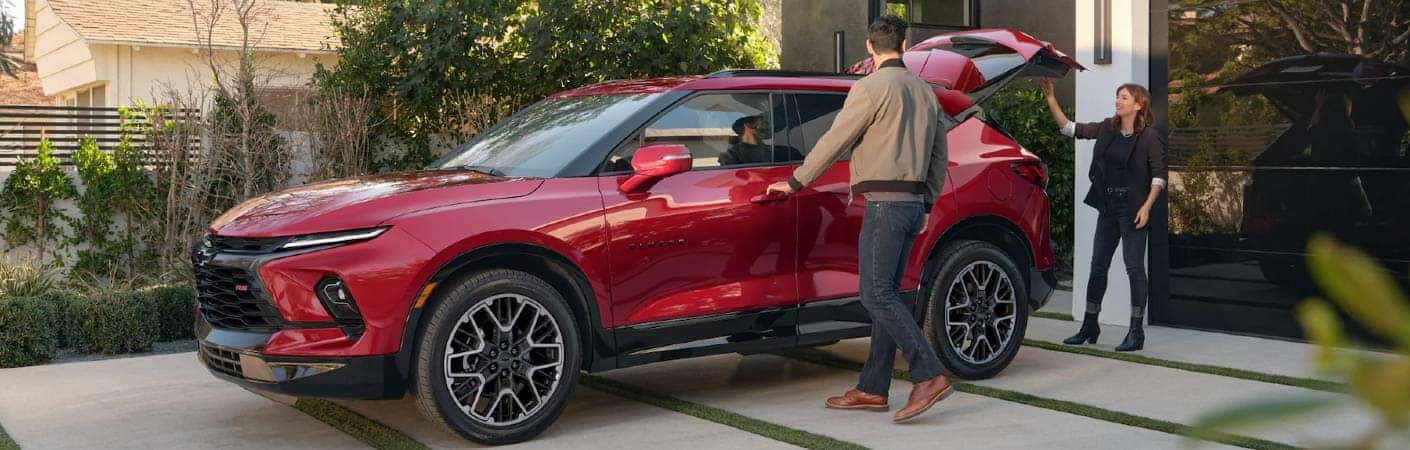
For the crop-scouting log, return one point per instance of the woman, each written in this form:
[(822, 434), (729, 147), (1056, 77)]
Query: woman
[(1128, 172)]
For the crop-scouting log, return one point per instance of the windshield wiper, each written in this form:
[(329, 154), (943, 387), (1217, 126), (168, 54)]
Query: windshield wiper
[(487, 170)]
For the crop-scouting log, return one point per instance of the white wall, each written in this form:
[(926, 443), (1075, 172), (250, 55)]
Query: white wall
[(143, 73), (1096, 92), (63, 61)]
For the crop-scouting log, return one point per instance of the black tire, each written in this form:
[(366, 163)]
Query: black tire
[(955, 258), (496, 288)]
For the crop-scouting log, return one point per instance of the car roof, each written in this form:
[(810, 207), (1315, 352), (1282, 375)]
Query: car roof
[(723, 80), (746, 80)]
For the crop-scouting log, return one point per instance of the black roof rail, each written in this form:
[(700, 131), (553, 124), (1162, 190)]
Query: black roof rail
[(779, 73)]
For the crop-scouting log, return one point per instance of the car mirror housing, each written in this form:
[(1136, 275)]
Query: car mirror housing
[(654, 162)]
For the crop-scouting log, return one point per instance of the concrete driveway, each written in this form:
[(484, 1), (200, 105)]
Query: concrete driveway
[(170, 401)]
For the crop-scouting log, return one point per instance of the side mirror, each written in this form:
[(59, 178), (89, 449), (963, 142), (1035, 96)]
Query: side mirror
[(654, 162)]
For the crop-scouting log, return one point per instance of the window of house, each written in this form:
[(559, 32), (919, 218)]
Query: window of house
[(933, 13)]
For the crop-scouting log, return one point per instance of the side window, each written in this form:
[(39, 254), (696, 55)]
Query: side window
[(815, 115), (721, 130)]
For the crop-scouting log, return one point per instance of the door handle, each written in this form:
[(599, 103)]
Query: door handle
[(769, 198)]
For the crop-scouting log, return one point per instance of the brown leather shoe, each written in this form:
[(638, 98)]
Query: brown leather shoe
[(855, 399), (924, 395)]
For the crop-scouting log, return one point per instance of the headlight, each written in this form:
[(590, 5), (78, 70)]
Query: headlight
[(341, 237)]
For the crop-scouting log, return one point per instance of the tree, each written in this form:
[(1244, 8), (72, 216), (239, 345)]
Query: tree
[(452, 67), (7, 33), (248, 155)]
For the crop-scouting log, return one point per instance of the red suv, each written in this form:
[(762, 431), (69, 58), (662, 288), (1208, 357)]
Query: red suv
[(621, 224)]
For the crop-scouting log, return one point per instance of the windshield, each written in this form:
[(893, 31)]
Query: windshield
[(542, 139)]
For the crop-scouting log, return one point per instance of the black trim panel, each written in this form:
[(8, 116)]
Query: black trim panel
[(228, 355), (764, 330)]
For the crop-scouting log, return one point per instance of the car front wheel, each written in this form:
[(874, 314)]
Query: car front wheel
[(497, 358), (978, 310)]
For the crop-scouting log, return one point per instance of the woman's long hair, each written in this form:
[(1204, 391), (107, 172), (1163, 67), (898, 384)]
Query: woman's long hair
[(1143, 98)]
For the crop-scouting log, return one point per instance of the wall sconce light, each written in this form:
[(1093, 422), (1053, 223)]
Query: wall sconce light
[(1101, 52)]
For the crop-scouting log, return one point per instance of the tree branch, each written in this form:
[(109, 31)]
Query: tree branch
[(1297, 29)]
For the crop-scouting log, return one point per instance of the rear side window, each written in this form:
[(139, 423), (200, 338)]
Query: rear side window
[(816, 111)]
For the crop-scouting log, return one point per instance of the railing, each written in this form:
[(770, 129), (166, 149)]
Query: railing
[(1236, 144), (22, 127)]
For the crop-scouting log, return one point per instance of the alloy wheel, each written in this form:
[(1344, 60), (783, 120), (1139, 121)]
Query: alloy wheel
[(504, 359), (980, 312)]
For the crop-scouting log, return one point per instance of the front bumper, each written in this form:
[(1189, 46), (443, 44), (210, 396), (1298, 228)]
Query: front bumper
[(235, 356)]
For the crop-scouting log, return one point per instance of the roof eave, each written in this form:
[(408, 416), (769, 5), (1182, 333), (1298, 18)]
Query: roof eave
[(320, 51)]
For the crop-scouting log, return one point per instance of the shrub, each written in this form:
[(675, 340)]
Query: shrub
[(23, 280), (176, 310), (119, 322), (28, 200), (27, 337), (1021, 110)]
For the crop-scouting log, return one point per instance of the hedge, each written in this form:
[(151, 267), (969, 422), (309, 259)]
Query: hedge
[(26, 337), (33, 328)]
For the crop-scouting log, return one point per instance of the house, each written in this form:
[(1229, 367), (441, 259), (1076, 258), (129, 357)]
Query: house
[(118, 52)]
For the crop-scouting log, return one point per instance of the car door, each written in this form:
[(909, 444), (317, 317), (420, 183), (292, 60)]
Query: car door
[(829, 223), (704, 244)]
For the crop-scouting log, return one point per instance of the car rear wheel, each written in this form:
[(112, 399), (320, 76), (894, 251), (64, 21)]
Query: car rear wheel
[(978, 309), (497, 358)]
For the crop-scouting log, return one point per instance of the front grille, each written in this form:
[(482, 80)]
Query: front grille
[(223, 361), (229, 298), (220, 244)]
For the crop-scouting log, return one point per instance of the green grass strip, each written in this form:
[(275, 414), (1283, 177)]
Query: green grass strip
[(1051, 315), (5, 442), (369, 431), (769, 430), (827, 359), (1306, 383)]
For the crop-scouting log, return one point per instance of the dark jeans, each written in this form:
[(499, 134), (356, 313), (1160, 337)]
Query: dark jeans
[(887, 231), (1116, 224)]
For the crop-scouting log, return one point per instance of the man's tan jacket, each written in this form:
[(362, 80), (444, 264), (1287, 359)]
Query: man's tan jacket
[(891, 122)]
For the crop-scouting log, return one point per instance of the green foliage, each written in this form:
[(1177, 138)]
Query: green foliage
[(249, 155), (39, 315), (23, 280), (26, 338), (115, 185), (28, 200), (449, 67), (1021, 110), (176, 311), (118, 322), (1378, 383), (7, 62)]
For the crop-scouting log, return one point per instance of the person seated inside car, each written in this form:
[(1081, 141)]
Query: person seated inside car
[(748, 146)]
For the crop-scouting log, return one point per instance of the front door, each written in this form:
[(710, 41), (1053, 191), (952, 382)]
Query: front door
[(705, 245)]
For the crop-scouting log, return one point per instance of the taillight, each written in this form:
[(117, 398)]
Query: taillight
[(1034, 171)]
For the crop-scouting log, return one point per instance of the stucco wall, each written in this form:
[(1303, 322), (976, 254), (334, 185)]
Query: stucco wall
[(1050, 20), (144, 73), (807, 32)]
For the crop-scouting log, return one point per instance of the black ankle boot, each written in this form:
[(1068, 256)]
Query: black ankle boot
[(1136, 338), (1088, 333)]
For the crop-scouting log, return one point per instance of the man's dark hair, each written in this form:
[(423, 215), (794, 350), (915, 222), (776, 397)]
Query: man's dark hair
[(887, 33)]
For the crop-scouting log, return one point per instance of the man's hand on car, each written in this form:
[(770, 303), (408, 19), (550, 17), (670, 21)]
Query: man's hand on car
[(781, 187)]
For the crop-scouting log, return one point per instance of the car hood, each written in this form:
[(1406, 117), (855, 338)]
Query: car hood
[(362, 202)]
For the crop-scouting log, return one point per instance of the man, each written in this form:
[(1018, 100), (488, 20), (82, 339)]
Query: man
[(892, 119), (746, 147)]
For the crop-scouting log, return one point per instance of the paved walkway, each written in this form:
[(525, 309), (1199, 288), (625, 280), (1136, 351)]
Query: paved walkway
[(170, 401)]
